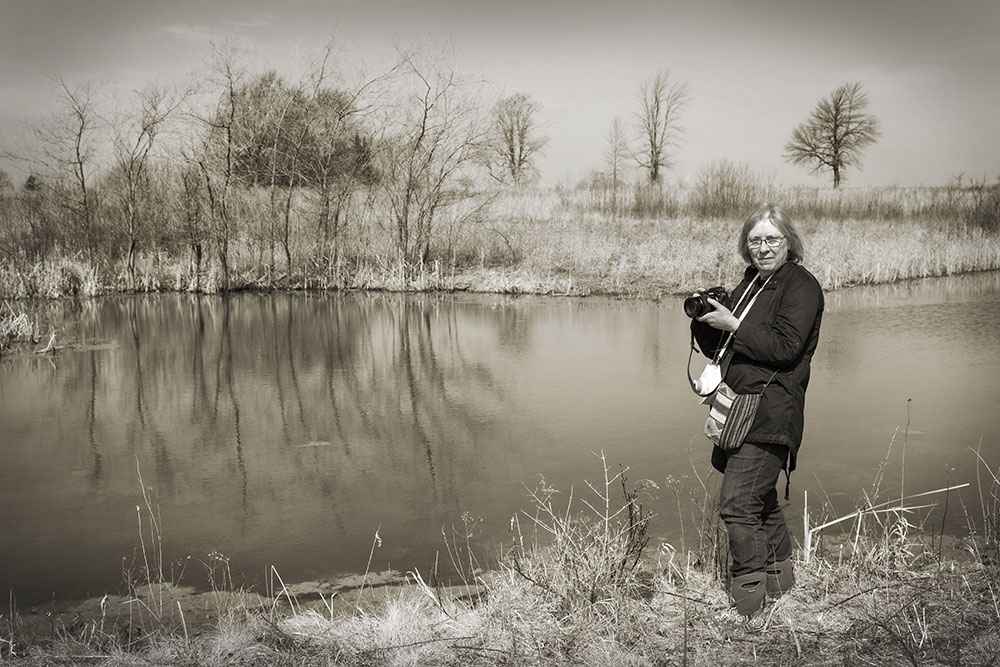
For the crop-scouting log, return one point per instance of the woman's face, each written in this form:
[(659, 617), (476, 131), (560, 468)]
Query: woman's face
[(766, 259)]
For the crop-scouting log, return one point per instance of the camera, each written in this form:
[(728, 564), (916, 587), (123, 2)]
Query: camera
[(697, 304)]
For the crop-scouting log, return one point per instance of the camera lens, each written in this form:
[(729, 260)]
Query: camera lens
[(694, 306)]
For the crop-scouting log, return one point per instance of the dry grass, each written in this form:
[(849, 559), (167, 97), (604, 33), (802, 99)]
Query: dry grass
[(49, 280), (881, 593), (15, 328), (560, 241), (925, 612)]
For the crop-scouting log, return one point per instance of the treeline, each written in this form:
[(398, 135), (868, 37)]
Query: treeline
[(726, 189), (333, 179), (252, 178)]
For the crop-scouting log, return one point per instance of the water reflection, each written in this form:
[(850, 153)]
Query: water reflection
[(286, 429), (964, 289)]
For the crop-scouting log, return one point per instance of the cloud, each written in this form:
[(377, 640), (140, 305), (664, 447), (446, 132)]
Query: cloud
[(256, 21), (194, 33), (202, 32)]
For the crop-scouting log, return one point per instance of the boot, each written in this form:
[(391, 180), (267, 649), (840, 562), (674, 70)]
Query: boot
[(748, 592), (780, 578)]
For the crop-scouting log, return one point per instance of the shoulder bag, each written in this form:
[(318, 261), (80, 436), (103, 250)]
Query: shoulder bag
[(731, 415)]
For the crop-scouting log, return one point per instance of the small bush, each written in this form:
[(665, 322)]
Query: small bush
[(653, 200), (727, 190), (984, 209)]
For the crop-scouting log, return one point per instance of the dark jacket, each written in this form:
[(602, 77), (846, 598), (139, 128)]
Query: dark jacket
[(777, 337)]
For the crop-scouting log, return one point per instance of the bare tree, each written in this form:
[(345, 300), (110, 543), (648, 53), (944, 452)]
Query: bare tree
[(308, 110), (661, 101), (835, 134), (67, 142), (434, 136), (615, 153), (220, 150), (41, 228), (516, 139), (340, 161), (7, 204), (268, 120), (132, 142), (192, 213), (261, 158)]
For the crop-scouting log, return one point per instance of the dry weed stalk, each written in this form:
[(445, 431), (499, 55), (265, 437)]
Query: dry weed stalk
[(590, 561)]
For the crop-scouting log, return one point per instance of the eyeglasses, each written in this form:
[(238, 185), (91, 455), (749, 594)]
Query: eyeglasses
[(773, 242)]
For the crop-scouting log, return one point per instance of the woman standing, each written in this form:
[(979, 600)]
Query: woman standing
[(771, 346)]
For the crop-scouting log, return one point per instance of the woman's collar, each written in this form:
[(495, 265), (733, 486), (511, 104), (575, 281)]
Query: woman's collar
[(751, 272)]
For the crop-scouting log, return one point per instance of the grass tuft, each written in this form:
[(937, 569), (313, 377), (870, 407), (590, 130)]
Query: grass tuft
[(15, 328)]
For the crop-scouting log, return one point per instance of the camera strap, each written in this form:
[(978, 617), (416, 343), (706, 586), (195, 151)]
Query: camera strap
[(720, 354), (725, 346)]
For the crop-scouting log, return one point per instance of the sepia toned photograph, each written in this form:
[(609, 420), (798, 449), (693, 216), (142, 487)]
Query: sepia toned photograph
[(569, 332)]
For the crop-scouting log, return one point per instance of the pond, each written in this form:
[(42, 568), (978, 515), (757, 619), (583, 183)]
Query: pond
[(288, 429)]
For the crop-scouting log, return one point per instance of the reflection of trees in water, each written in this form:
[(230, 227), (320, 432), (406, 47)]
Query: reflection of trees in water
[(226, 351), (95, 451), (199, 389), (143, 431), (134, 325), (396, 381), (289, 322), (286, 413), (417, 396), (511, 323), (970, 287), (367, 384)]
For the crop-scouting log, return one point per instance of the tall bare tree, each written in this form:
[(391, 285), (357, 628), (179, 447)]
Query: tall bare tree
[(434, 136), (615, 153), (7, 202), (132, 142), (191, 211), (339, 163), (309, 96), (218, 158), (661, 101), (516, 139), (835, 134), (68, 145)]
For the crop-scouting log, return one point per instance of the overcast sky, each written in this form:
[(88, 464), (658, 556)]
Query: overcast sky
[(755, 68)]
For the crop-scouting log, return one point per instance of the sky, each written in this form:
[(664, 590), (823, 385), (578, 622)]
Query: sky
[(754, 68)]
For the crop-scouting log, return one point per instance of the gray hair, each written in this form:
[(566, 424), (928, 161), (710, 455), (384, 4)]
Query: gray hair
[(777, 216)]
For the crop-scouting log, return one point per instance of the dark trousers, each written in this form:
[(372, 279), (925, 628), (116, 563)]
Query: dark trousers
[(748, 505)]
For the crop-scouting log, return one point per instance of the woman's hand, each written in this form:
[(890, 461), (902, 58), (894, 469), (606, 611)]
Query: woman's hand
[(721, 318)]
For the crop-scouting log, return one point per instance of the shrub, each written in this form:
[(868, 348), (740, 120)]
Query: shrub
[(727, 190)]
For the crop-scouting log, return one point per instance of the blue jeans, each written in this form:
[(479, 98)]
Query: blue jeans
[(748, 505)]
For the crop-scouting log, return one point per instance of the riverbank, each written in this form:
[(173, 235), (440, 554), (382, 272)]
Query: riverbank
[(879, 591), (568, 242), (930, 608), (663, 265)]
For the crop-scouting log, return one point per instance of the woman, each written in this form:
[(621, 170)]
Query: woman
[(771, 346)]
